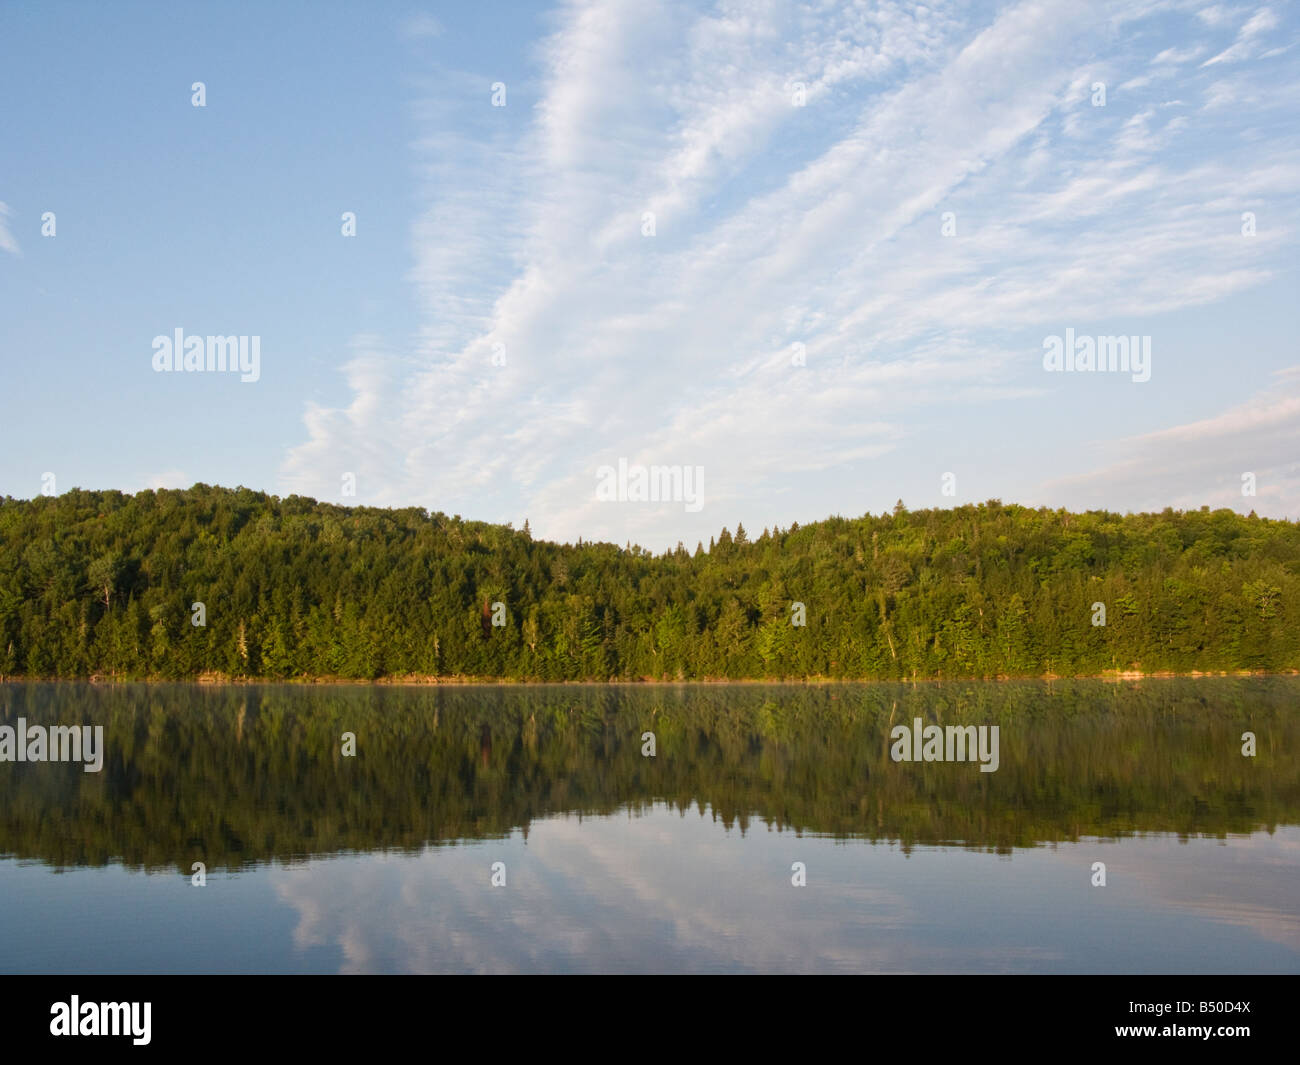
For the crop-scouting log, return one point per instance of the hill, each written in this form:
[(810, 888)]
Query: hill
[(103, 583)]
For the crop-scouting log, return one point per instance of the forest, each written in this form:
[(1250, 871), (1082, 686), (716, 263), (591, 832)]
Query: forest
[(234, 583)]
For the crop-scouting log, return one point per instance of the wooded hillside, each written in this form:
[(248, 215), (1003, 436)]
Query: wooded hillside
[(105, 583)]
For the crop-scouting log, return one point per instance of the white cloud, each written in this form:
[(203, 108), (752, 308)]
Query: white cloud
[(168, 479), (422, 24), (7, 241), (1179, 55), (1248, 39), (1201, 463), (774, 224), (1218, 15)]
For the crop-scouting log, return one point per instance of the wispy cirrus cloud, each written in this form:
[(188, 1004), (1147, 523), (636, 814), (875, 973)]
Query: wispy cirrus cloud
[(7, 241), (777, 224), (1250, 40), (1205, 462)]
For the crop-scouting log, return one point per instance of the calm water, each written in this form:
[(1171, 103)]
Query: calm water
[(614, 861)]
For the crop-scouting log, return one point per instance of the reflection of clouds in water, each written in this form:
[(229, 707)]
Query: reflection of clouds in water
[(662, 893), (1221, 880), (312, 930), (656, 892)]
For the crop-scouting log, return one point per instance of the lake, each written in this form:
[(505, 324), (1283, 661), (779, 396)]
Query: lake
[(531, 829)]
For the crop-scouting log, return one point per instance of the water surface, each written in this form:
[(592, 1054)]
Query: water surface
[(615, 861)]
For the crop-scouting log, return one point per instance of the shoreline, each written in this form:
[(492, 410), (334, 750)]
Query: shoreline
[(432, 681)]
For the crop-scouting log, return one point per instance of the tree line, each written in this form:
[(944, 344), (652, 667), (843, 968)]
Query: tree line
[(109, 584)]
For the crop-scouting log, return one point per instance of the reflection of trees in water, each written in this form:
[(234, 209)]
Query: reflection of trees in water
[(238, 775)]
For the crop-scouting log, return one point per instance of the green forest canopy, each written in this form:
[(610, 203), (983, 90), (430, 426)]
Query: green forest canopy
[(103, 583)]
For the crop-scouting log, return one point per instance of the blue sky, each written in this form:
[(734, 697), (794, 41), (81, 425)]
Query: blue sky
[(798, 159)]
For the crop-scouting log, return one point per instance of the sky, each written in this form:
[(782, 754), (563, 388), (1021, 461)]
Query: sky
[(813, 254)]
